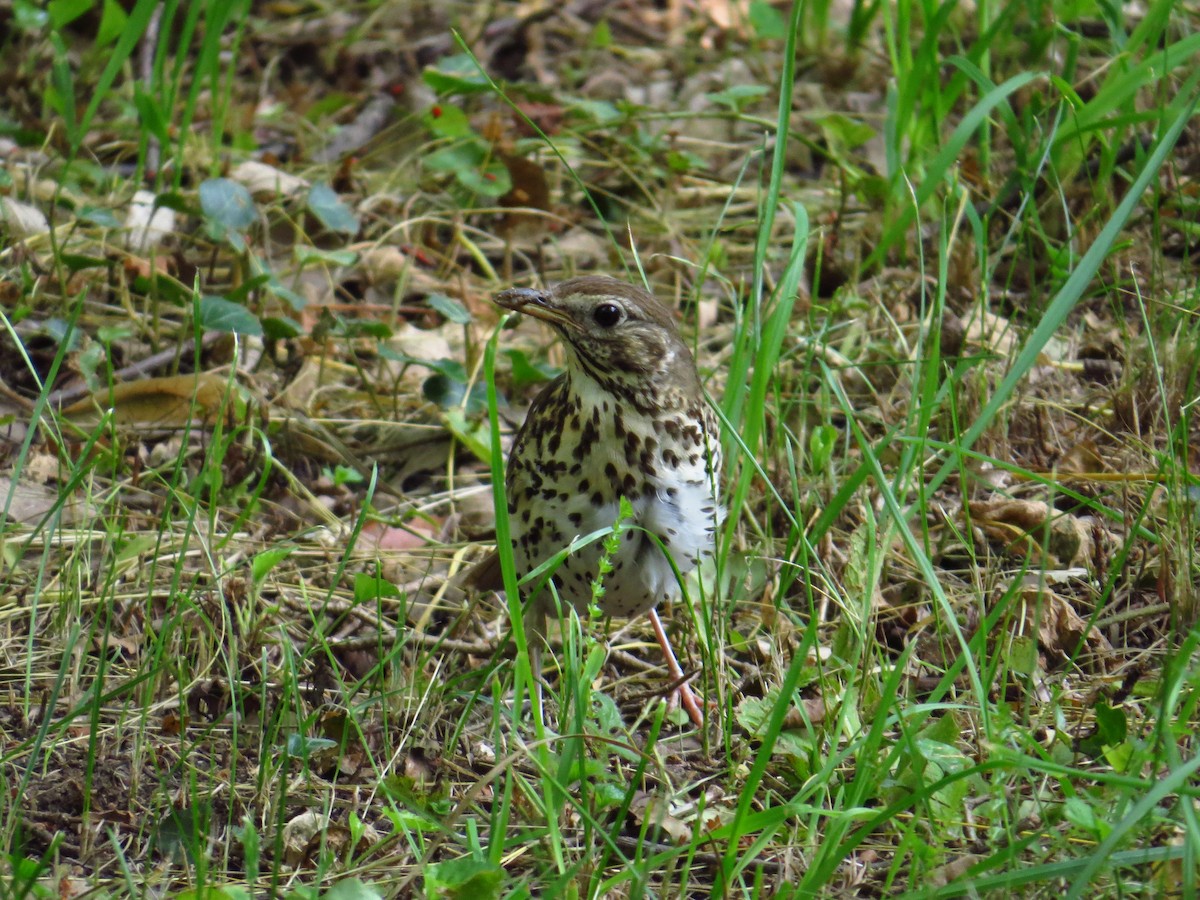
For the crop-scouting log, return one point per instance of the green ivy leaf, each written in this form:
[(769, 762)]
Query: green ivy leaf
[(305, 254), (277, 288), (460, 155), (98, 215), (820, 447), (602, 35), (458, 879), (300, 746), (768, 22), (219, 314), (524, 372), (370, 588), (242, 292), (227, 204), (327, 206), (447, 120), (150, 116), (450, 393), (456, 74), (281, 328), (489, 180), (600, 111)]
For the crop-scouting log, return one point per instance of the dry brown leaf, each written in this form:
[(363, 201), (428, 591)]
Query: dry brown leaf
[(267, 182), (1059, 628), (989, 333), (41, 468), (1020, 525), (529, 191), (31, 503), (22, 219), (384, 265), (1082, 457), (309, 833), (168, 402), (577, 250), (143, 267), (952, 871), (654, 810)]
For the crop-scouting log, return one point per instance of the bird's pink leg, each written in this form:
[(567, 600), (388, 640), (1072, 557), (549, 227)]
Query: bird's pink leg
[(687, 697)]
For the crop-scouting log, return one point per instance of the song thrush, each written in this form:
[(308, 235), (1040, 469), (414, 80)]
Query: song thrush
[(626, 419)]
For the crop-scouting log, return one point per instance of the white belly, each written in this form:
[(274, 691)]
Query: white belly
[(675, 504)]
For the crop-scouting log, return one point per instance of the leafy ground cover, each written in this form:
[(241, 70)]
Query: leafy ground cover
[(937, 264)]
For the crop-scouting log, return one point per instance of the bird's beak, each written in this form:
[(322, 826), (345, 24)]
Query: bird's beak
[(533, 303)]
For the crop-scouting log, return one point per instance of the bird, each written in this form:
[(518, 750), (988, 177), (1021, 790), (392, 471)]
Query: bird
[(628, 419)]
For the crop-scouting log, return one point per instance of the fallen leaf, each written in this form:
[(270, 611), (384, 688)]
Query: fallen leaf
[(22, 219), (169, 402), (145, 226), (266, 182), (1021, 526)]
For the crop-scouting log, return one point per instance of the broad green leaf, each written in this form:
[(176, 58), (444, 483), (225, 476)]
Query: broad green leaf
[(64, 12), (490, 180), (456, 157), (369, 588), (281, 328), (843, 131), (456, 74), (301, 746), (768, 22), (450, 308), (1111, 725), (264, 562), (278, 289), (29, 17), (97, 215), (113, 21), (219, 314), (524, 372), (227, 203), (447, 120), (600, 111), (77, 262), (449, 393), (460, 879), (327, 206)]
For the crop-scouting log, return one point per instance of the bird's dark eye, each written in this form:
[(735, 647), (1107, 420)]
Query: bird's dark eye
[(607, 315)]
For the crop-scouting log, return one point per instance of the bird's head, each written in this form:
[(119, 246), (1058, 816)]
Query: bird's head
[(614, 331)]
